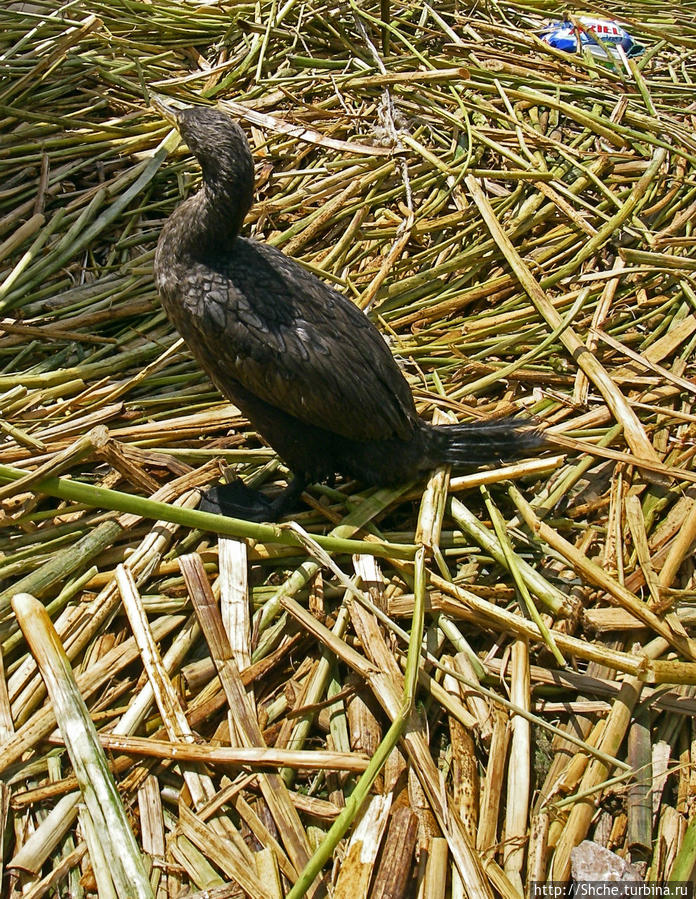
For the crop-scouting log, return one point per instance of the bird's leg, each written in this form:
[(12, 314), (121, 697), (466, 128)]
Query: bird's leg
[(236, 500), (285, 500)]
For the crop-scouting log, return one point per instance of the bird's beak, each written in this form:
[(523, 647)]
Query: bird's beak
[(166, 108)]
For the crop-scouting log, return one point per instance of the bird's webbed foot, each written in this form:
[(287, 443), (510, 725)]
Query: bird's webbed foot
[(236, 500)]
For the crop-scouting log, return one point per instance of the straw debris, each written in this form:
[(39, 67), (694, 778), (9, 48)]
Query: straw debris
[(438, 689)]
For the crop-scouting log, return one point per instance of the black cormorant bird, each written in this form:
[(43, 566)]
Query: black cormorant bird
[(307, 368)]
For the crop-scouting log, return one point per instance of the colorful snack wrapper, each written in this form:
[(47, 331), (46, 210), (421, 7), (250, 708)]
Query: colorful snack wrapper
[(595, 34)]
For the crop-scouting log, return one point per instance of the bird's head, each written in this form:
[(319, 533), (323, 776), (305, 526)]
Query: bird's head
[(216, 140)]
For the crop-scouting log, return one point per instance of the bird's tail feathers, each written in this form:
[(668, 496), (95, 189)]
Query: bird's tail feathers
[(483, 442)]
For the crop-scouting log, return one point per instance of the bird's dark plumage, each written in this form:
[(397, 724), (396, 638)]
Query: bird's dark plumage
[(302, 362)]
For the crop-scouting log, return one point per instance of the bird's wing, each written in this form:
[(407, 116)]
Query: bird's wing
[(295, 343)]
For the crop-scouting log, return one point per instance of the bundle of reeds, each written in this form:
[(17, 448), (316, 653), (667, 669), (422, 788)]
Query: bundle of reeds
[(437, 690)]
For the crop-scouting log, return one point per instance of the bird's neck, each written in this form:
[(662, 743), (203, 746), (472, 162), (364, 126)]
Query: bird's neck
[(214, 217)]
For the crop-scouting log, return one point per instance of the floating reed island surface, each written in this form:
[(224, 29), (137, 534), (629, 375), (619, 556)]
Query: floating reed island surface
[(444, 687)]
